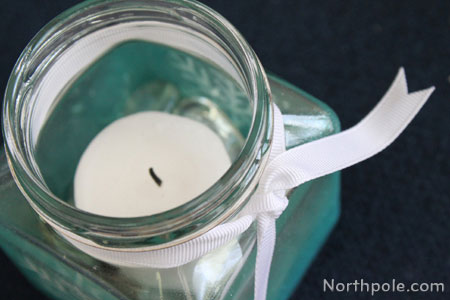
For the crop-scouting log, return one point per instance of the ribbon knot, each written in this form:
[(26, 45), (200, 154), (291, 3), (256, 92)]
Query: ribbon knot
[(270, 204)]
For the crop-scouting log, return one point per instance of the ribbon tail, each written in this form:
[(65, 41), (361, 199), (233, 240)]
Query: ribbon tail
[(336, 152), (266, 233)]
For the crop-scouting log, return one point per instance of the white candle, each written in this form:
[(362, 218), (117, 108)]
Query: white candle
[(148, 163)]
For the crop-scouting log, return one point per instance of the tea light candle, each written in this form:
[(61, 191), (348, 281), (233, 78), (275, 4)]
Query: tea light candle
[(148, 163)]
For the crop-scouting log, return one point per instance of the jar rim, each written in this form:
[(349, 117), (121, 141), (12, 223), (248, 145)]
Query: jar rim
[(164, 229)]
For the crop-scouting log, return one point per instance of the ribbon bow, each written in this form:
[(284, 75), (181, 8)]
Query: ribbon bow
[(285, 170)]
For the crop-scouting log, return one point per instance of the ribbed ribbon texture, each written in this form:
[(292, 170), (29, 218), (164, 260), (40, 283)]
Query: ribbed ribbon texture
[(285, 170)]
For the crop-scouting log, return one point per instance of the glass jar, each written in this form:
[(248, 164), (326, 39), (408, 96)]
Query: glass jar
[(103, 60)]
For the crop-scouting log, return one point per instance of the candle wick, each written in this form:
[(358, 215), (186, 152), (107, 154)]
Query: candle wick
[(155, 177)]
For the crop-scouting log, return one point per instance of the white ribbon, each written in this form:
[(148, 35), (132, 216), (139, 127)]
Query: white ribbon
[(285, 170)]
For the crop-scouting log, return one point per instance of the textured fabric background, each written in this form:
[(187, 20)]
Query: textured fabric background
[(396, 206)]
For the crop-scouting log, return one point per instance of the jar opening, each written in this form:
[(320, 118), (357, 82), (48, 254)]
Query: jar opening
[(53, 66)]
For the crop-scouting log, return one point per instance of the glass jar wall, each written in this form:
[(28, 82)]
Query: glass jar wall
[(104, 60)]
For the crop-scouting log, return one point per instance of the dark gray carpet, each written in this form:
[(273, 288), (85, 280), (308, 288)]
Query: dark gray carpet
[(396, 206)]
